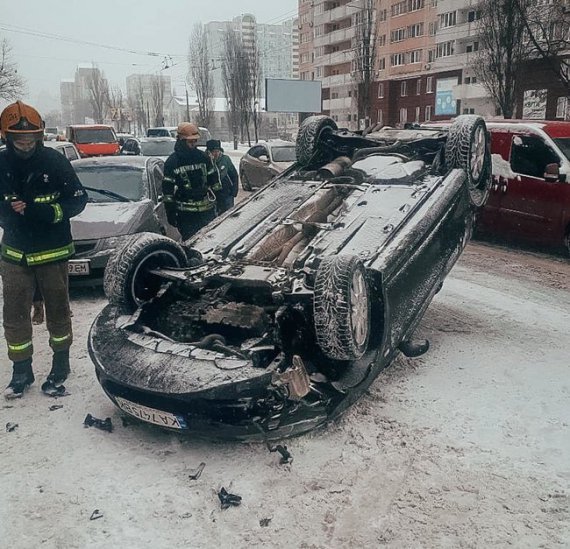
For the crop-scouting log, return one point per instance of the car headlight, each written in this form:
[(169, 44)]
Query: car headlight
[(107, 245)]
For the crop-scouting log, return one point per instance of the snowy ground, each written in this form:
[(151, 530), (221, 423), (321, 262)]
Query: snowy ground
[(465, 447)]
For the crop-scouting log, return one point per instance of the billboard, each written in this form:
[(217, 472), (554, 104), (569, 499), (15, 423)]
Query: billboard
[(282, 95), (534, 104), (445, 104)]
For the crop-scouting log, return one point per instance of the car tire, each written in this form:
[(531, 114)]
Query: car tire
[(127, 280), (341, 308), (307, 146), (245, 183), (468, 148)]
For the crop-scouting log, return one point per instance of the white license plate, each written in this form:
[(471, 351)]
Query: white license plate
[(151, 415), (79, 267)]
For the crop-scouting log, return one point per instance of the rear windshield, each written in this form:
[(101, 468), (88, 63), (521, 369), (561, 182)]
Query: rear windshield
[(124, 180), (564, 145), (283, 154), (95, 135), (158, 148), (159, 132)]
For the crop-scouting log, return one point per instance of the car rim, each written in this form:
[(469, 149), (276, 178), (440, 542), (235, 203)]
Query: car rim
[(477, 152), (140, 278), (359, 308)]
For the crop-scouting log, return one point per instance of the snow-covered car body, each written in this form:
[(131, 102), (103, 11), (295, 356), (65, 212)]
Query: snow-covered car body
[(280, 313)]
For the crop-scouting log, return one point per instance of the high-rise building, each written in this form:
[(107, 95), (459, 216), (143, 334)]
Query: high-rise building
[(277, 45)]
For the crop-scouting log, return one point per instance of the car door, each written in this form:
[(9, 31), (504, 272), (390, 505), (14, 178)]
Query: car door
[(155, 176), (258, 165), (500, 153), (530, 206)]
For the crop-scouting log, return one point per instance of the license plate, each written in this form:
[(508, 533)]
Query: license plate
[(79, 267), (151, 415)]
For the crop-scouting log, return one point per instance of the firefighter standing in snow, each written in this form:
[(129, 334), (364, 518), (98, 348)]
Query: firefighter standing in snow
[(189, 184), (39, 193)]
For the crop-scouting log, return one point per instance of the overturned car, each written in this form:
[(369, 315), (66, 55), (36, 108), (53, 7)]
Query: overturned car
[(278, 315)]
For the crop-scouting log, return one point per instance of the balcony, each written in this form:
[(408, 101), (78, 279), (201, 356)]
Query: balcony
[(336, 58), (341, 35), (337, 14), (337, 80)]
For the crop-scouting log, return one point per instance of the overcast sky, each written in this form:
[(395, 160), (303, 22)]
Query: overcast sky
[(112, 26)]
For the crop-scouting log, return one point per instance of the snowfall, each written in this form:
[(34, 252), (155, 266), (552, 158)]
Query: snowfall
[(466, 446)]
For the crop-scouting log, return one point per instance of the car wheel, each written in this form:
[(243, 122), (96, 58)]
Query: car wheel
[(468, 148), (245, 183), (128, 280), (341, 308), (310, 133)]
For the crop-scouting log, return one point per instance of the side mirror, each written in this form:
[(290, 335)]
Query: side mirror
[(264, 158), (552, 173)]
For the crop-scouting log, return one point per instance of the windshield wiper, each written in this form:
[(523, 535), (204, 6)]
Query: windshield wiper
[(110, 194)]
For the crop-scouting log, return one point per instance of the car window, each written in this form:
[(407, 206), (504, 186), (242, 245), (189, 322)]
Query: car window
[(70, 153), (564, 144), (94, 135), (283, 154), (530, 155), (157, 175), (124, 180), (157, 148), (258, 151)]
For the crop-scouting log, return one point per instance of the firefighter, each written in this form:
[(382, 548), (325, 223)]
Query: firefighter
[(39, 193), (190, 183)]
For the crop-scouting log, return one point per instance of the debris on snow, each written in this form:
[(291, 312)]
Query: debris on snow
[(227, 499), (103, 424), (195, 473)]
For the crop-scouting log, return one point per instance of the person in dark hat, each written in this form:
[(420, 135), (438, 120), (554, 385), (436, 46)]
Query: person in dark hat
[(228, 175)]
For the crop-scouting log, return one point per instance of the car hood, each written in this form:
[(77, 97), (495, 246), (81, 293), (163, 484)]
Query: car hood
[(103, 220), (281, 166)]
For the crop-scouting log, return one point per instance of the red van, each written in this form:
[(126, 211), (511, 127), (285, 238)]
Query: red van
[(93, 139), (530, 196)]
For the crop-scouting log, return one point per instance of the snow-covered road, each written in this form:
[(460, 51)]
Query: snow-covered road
[(466, 446)]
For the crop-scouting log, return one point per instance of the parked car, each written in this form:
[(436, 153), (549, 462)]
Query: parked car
[(149, 146), (529, 201), (530, 195), (170, 131), (264, 161), (279, 314), (122, 137), (93, 139), (123, 200), (64, 147)]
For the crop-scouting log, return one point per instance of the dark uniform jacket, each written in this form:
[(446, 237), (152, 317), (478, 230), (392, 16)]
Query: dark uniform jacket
[(228, 176), (53, 194), (190, 181)]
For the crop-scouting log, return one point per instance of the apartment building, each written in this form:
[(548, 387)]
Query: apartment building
[(277, 45)]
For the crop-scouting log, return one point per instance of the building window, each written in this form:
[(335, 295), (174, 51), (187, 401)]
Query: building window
[(380, 90), (418, 113), (473, 15), (468, 110), (415, 56), (403, 115), (380, 117), (448, 19), (428, 113), (397, 59), (415, 30), (471, 80), (398, 35), (445, 49), (382, 14), (429, 84), (563, 108), (431, 56), (382, 64), (418, 86), (474, 46), (381, 40), (415, 5), (404, 88)]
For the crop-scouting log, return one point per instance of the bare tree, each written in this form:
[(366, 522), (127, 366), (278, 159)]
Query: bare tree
[(364, 58), (548, 28), (117, 106), (11, 83), (98, 89), (157, 99), (505, 46), (201, 79), (241, 76)]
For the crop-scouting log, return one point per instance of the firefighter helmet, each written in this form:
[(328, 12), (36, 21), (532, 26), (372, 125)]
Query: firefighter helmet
[(20, 119)]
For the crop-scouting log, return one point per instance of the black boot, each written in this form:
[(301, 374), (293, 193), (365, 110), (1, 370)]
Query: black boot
[(59, 367), (22, 378)]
